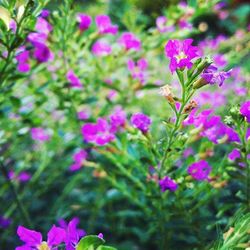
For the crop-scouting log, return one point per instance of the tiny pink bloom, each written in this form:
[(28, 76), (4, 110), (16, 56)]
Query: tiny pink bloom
[(79, 157), (84, 21), (245, 110), (138, 69), (117, 119), (129, 41), (83, 115), (168, 183), (101, 48), (42, 52), (39, 134), (105, 26), (22, 59), (220, 60), (141, 121), (161, 24), (180, 53), (235, 154), (73, 80), (199, 170)]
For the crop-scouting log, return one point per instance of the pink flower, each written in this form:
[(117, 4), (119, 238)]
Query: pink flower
[(79, 157), (105, 26), (220, 60), (39, 134), (98, 133), (245, 110), (180, 54), (141, 121), (211, 76), (42, 52), (138, 69), (130, 41), (117, 119), (84, 21), (33, 239), (74, 80), (199, 170), (101, 48), (83, 115), (161, 24), (235, 154), (167, 183), (22, 59)]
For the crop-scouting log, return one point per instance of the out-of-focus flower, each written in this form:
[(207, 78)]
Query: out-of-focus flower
[(83, 115), (45, 13), (211, 76), (117, 119), (180, 53), (73, 234), (105, 26), (141, 121), (129, 41), (220, 60), (235, 154), (98, 133), (84, 21), (4, 222), (39, 134), (100, 235), (138, 69), (42, 52), (184, 24), (22, 59), (199, 170), (22, 176), (43, 26), (167, 184), (161, 24), (101, 48), (79, 157), (33, 239), (187, 152), (74, 80), (245, 110)]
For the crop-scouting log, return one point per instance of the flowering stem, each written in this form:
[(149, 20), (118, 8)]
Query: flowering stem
[(18, 201)]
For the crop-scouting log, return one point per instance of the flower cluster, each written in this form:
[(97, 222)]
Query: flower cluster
[(199, 170)]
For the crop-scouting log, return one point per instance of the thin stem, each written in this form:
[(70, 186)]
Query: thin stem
[(18, 200)]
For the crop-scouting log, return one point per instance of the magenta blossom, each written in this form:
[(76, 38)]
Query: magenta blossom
[(167, 183), (245, 110), (105, 26), (211, 76), (45, 13), (180, 54), (83, 115), (235, 154), (84, 21), (39, 134), (141, 121), (199, 170), (42, 52), (22, 176), (138, 69), (129, 41), (161, 24), (98, 133), (22, 59), (101, 48), (33, 240), (74, 80), (73, 234), (79, 157), (117, 119)]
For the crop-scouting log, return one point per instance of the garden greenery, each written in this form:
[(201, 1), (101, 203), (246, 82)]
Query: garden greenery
[(140, 135)]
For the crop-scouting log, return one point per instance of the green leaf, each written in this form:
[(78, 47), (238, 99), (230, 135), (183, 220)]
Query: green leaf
[(90, 242), (192, 3), (106, 248), (5, 16)]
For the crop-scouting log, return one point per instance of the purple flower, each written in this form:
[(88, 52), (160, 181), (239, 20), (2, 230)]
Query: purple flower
[(138, 69), (100, 235), (41, 53), (245, 110), (167, 183), (22, 176), (183, 24), (141, 121), (219, 60), (199, 170), (235, 154), (79, 157), (83, 115), (74, 80), (211, 76), (84, 21), (39, 134), (117, 119), (4, 222), (98, 133), (73, 234), (45, 13), (130, 41), (180, 54), (101, 48), (22, 59), (43, 26), (105, 26), (33, 239), (161, 24)]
